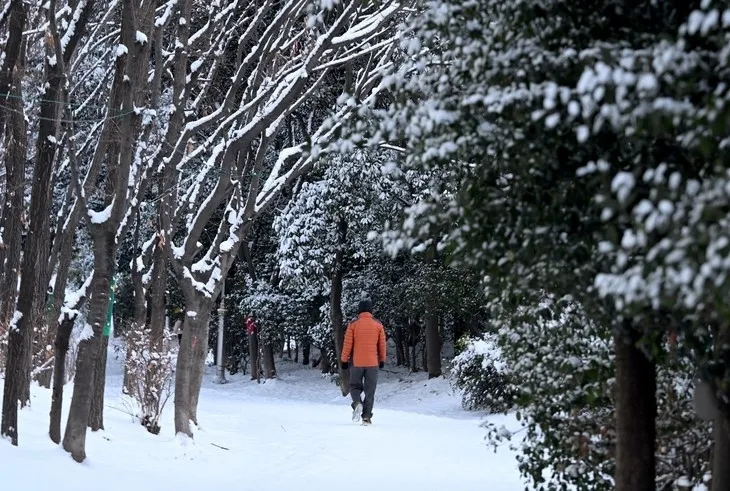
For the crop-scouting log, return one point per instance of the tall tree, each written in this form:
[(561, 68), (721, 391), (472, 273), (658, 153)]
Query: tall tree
[(275, 87), (34, 283), (116, 195), (497, 100)]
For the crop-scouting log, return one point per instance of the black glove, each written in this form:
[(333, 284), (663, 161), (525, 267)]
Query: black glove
[(381, 365), (344, 365)]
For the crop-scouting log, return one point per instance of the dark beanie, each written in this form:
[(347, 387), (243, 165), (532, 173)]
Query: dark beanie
[(365, 306)]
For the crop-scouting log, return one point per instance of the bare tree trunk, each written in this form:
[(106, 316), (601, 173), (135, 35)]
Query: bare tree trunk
[(268, 360), (34, 283), (63, 337), (338, 328), (96, 414), (325, 361), (117, 151), (16, 18), (400, 356), (253, 352), (424, 358), (198, 371), (74, 440), (190, 364), (12, 220), (635, 417), (721, 455), (721, 425), (305, 352), (20, 338), (433, 345)]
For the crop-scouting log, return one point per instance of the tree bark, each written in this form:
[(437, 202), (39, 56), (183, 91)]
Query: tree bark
[(190, 365), (721, 425), (268, 360), (17, 367), (34, 283), (305, 352), (400, 353), (721, 455), (16, 143), (253, 353), (432, 355), (433, 345), (324, 360), (96, 414), (74, 440), (198, 371), (17, 16), (63, 337), (338, 328), (635, 417)]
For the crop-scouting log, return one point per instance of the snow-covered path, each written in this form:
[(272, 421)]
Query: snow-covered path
[(295, 431)]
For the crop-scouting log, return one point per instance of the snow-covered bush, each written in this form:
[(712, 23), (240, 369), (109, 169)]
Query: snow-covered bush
[(148, 364), (561, 369), (481, 376), (560, 366)]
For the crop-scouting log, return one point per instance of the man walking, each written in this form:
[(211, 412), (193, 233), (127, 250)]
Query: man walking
[(365, 342)]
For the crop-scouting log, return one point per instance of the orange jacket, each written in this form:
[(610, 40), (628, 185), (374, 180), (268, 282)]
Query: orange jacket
[(365, 341)]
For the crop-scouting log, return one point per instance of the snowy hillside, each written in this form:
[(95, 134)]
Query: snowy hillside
[(292, 431)]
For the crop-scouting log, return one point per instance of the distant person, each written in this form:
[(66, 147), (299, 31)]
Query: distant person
[(365, 342)]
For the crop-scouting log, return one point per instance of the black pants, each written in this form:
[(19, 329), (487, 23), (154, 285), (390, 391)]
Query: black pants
[(364, 379)]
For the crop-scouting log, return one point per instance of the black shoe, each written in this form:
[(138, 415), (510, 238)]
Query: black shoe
[(366, 422)]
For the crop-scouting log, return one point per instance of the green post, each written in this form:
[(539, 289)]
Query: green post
[(110, 311)]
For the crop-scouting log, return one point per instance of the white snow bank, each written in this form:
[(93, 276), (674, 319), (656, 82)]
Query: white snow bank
[(295, 430)]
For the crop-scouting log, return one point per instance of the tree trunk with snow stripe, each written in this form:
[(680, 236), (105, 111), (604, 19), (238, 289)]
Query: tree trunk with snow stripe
[(117, 192), (89, 350)]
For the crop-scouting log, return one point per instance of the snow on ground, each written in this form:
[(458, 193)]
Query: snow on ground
[(294, 431)]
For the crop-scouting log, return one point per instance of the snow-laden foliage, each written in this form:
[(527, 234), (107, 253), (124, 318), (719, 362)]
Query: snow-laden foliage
[(559, 371), (583, 142), (479, 373), (338, 209), (268, 306), (559, 367)]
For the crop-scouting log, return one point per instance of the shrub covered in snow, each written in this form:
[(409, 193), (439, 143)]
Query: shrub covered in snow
[(479, 372), (560, 368), (148, 367)]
